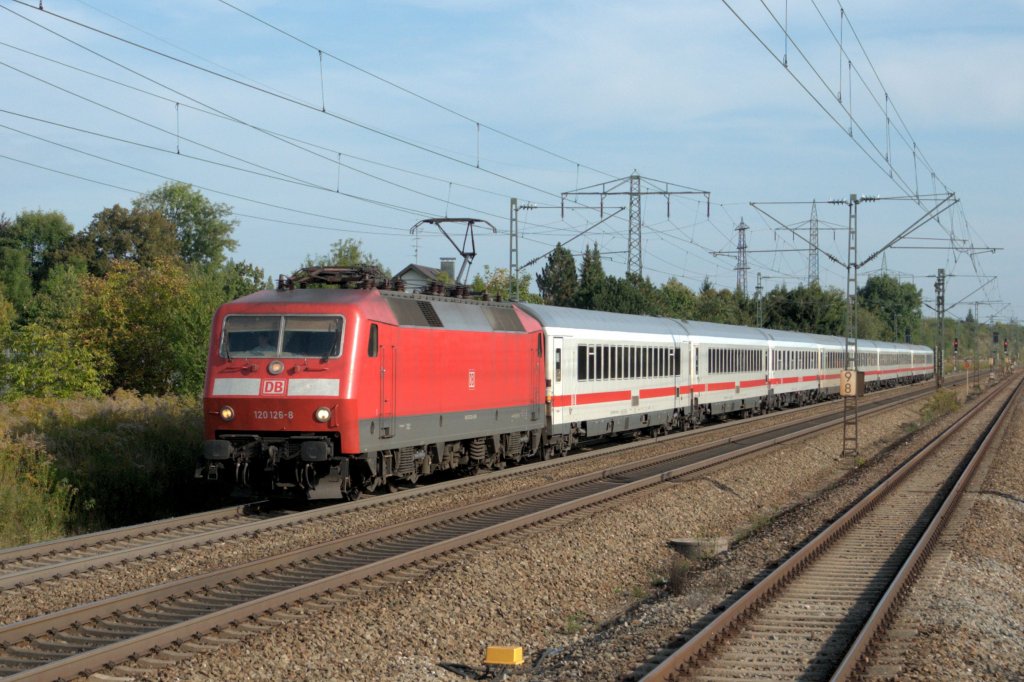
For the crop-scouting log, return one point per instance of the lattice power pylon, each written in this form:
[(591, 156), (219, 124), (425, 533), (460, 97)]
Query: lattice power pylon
[(638, 187), (741, 258), (812, 255)]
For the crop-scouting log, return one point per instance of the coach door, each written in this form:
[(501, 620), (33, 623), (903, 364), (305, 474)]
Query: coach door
[(557, 373), (387, 390)]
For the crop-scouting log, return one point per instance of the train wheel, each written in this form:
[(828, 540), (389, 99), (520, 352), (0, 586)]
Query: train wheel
[(369, 483)]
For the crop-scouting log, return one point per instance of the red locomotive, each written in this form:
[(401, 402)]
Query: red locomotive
[(303, 391)]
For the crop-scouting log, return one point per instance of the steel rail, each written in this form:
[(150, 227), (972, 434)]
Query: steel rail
[(881, 617), (721, 627), (485, 520), (87, 551), (49, 548)]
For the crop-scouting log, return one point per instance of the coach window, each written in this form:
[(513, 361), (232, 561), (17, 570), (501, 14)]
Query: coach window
[(606, 366), (619, 352), (581, 363), (558, 364), (590, 362), (371, 346)]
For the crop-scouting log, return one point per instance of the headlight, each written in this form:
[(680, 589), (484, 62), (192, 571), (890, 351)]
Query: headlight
[(275, 367), (322, 415), (227, 413)]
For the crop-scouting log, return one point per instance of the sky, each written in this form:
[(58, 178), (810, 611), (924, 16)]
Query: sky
[(323, 121)]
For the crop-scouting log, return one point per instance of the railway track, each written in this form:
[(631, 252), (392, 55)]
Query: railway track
[(817, 615), (74, 555), (88, 637)]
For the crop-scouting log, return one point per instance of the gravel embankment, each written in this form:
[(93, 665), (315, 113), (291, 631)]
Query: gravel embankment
[(563, 591)]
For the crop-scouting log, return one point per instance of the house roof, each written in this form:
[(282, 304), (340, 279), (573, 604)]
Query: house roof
[(423, 270)]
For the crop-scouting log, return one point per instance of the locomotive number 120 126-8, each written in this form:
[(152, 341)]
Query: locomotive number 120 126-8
[(272, 414)]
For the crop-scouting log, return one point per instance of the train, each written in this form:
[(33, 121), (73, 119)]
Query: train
[(327, 389)]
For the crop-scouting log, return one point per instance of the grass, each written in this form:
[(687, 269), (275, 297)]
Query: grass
[(76, 465), (939, 405), (756, 524), (679, 569), (35, 504), (574, 624)]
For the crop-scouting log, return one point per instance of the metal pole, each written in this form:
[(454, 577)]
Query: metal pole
[(940, 307), (513, 250), (850, 402)]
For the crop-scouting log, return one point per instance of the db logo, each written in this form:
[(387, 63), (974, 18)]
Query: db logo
[(272, 387)]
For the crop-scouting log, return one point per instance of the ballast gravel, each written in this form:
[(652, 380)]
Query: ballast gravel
[(586, 599)]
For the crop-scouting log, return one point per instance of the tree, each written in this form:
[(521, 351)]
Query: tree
[(45, 236), (897, 305), (7, 316), (119, 234), (632, 294), (346, 252), (497, 283), (806, 309), (150, 322), (678, 300), (42, 361), (59, 299), (557, 280), (238, 278), (15, 275), (592, 291), (202, 228), (719, 306)]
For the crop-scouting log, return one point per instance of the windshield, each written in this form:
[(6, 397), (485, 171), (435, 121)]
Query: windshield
[(282, 336)]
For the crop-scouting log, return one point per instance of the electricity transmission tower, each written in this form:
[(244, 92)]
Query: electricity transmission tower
[(812, 255), (741, 258), (635, 187)]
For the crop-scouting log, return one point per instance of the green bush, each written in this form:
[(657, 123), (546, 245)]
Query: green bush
[(35, 504), (130, 458), (38, 362), (939, 405)]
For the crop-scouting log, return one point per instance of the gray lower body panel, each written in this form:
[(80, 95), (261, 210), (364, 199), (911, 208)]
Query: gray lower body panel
[(411, 431)]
